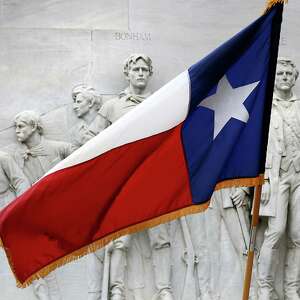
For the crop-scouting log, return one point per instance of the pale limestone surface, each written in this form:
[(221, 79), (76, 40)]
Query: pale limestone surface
[(75, 14), (47, 47)]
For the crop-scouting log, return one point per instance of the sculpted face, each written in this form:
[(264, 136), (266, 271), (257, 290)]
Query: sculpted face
[(23, 131), (138, 74), (81, 105), (285, 77)]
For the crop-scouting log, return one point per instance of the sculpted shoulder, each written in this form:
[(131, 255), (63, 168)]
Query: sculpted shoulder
[(106, 114), (4, 156), (55, 144), (60, 147), (108, 106), (6, 160)]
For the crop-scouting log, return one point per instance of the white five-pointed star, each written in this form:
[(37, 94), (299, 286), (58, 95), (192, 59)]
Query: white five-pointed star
[(227, 103)]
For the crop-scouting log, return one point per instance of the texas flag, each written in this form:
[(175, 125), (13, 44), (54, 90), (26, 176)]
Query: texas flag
[(204, 130)]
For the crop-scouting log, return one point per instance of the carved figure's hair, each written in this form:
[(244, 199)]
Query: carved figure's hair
[(288, 62), (31, 118), (89, 93), (133, 58)]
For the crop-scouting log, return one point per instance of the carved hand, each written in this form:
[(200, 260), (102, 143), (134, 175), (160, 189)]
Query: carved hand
[(238, 197), (265, 194)]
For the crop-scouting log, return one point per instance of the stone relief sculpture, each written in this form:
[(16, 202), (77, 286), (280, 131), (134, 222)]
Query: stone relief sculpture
[(196, 260), (49, 46), (86, 106), (36, 155), (281, 191), (12, 180), (233, 206), (137, 70), (111, 272)]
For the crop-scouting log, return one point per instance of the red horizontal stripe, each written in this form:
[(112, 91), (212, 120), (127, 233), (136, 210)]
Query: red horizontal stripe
[(73, 207)]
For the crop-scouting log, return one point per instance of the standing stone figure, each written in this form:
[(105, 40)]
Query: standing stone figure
[(232, 205), (36, 156), (86, 106), (281, 191), (12, 180), (137, 70), (196, 257)]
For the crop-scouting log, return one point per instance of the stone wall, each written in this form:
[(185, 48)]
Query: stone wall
[(47, 47)]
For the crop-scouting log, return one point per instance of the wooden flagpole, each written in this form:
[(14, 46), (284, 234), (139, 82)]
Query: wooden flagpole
[(257, 197), (253, 230)]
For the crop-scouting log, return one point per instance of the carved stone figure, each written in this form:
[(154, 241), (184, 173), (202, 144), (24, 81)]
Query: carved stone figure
[(281, 192), (232, 205), (196, 258), (137, 70), (12, 180), (36, 156), (86, 106)]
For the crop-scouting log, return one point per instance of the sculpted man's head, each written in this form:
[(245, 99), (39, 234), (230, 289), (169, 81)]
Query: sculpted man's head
[(85, 99), (286, 75), (138, 69), (27, 123)]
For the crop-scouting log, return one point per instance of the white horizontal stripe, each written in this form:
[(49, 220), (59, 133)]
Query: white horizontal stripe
[(162, 111)]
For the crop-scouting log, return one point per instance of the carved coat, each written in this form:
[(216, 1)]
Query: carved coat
[(36, 161), (277, 151), (81, 133), (117, 107), (12, 180)]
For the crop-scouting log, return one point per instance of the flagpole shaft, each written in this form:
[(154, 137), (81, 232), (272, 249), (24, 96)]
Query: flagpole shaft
[(250, 257)]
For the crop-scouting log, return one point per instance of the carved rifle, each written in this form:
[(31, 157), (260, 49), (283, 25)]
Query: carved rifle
[(244, 227)]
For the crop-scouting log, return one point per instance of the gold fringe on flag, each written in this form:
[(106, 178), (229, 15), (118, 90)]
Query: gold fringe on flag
[(271, 3), (242, 182)]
